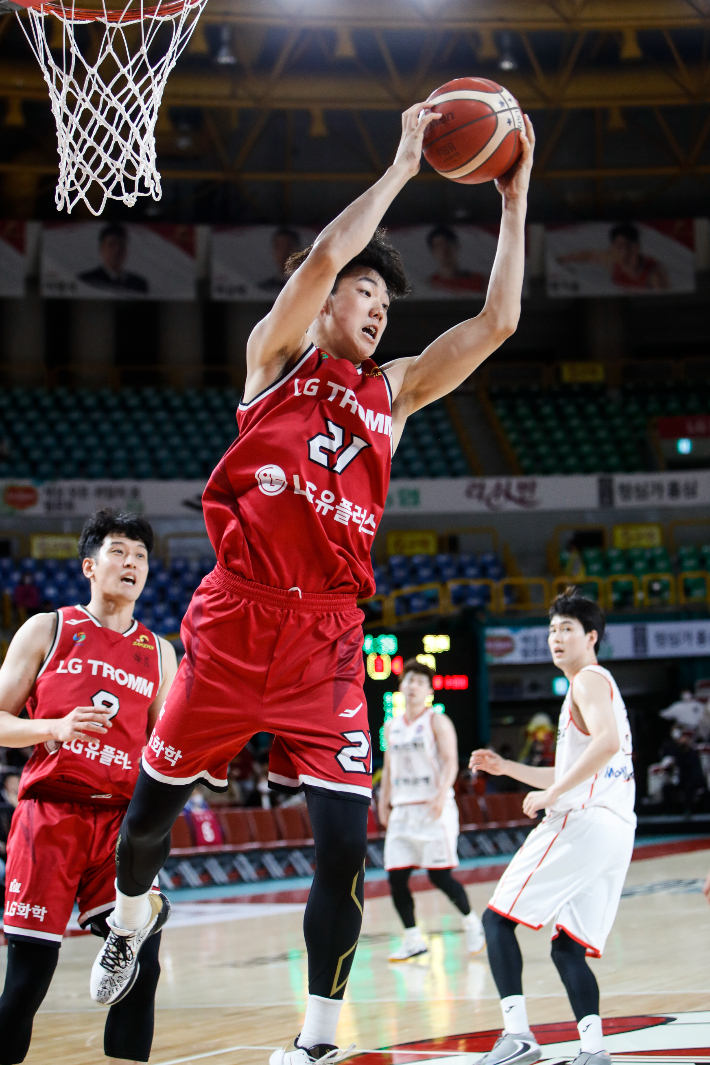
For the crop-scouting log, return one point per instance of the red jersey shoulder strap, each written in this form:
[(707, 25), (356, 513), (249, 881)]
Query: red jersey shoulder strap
[(58, 626), (310, 350)]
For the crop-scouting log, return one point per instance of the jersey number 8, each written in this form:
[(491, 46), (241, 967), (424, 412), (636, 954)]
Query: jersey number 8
[(104, 700)]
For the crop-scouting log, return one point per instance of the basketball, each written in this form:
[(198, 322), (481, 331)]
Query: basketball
[(478, 136)]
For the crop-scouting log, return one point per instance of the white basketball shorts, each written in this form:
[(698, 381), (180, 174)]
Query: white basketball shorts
[(415, 840), (571, 871)]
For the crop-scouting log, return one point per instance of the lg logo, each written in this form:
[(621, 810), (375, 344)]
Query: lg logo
[(271, 480)]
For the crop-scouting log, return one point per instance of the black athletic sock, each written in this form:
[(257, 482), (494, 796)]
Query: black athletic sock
[(452, 888), (30, 968), (402, 896), (333, 917), (570, 958), (144, 839), (504, 955), (129, 1026)]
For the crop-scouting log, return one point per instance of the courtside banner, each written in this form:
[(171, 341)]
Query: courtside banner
[(620, 258), (156, 499), (517, 645), (493, 495), (12, 258), (455, 495), (249, 262), (118, 261)]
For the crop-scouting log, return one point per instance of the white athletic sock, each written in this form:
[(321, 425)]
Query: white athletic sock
[(515, 1015), (590, 1034), (132, 911), (322, 1015)]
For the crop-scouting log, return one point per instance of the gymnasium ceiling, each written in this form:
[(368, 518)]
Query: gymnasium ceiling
[(305, 112)]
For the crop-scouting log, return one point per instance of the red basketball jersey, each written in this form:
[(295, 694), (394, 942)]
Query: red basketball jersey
[(90, 664), (296, 500)]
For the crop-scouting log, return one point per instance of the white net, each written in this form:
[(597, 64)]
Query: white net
[(106, 81)]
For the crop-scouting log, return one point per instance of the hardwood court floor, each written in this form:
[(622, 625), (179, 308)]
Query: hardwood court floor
[(241, 984)]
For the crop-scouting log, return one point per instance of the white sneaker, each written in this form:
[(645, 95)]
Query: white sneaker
[(115, 970), (322, 1053), (511, 1049), (413, 943), (475, 936)]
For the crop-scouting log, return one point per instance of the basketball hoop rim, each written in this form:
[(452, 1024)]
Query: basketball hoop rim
[(68, 12)]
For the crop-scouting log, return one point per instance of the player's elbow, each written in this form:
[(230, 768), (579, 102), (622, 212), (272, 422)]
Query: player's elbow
[(502, 323), (611, 746)]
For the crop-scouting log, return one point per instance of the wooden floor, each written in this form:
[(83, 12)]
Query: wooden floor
[(233, 988)]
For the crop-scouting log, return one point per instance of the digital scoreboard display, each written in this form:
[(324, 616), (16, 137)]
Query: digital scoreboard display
[(452, 654)]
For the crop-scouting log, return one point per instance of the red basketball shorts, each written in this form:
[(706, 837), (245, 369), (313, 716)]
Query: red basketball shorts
[(58, 852), (260, 659)]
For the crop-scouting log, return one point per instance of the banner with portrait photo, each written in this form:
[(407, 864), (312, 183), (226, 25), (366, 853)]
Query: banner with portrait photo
[(118, 261), (620, 258), (446, 262), (13, 239), (248, 262)]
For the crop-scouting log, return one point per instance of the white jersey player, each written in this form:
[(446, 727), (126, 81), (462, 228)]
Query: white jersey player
[(417, 805), (571, 869)]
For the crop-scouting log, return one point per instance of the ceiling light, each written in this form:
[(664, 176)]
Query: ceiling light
[(225, 56), (507, 60)]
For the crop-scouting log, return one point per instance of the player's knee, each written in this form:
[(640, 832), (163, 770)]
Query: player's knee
[(495, 924), (139, 827), (340, 833), (440, 878), (566, 951)]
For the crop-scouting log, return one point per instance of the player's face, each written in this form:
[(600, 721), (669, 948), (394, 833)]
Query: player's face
[(355, 315), (416, 689), (569, 643), (120, 568)]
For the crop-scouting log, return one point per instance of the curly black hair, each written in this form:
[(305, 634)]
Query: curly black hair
[(378, 254), (106, 521)]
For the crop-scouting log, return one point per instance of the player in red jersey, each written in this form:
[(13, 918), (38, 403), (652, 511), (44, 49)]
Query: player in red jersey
[(93, 681), (273, 635)]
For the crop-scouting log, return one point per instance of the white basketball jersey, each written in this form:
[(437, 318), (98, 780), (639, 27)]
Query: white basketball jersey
[(613, 786), (415, 770)]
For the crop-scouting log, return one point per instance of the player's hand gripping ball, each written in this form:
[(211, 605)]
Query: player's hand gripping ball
[(477, 137)]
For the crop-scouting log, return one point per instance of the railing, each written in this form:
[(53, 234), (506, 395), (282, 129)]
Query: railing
[(619, 591)]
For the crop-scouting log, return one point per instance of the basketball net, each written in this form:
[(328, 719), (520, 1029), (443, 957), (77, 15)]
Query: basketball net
[(105, 84)]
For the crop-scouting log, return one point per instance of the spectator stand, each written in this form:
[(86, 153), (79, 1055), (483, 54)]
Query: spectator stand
[(262, 845)]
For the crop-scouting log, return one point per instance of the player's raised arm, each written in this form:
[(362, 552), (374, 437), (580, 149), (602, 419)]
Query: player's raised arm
[(28, 650), (281, 335), (458, 352)]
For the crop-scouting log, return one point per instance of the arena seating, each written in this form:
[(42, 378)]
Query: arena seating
[(401, 571), (161, 607), (165, 433), (262, 844), (132, 433), (573, 429), (430, 446), (690, 572)]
